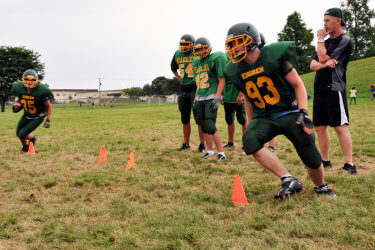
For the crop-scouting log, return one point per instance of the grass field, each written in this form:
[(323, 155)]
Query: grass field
[(62, 198)]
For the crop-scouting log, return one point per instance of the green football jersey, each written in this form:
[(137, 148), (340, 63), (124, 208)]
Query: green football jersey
[(230, 92), (261, 82), (33, 102), (206, 73), (183, 63)]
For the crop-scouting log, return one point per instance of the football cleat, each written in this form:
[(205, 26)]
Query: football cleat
[(201, 148), (207, 155), (221, 157), (33, 140), (327, 164), (324, 189), (184, 147), (289, 187), (25, 148), (229, 145), (350, 168)]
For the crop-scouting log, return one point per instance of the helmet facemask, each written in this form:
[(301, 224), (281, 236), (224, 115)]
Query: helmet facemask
[(29, 81), (186, 46), (233, 44), (202, 50)]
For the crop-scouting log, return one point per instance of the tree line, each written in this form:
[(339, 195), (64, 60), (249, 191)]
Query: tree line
[(357, 14)]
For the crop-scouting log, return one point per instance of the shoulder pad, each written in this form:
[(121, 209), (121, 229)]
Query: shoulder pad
[(17, 88), (282, 51)]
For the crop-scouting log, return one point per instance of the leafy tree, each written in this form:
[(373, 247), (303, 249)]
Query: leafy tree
[(133, 91), (172, 86), (357, 16), (295, 30), (147, 89), (157, 85), (14, 61)]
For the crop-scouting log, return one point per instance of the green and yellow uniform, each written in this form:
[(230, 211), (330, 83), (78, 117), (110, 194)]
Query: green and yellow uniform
[(33, 105), (206, 73), (273, 101), (183, 63)]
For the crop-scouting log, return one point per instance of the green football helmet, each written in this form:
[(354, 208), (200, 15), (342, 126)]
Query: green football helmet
[(186, 43), (202, 47), (241, 34), (30, 79)]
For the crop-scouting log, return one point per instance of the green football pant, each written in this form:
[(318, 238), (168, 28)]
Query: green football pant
[(206, 117), (231, 109), (26, 126), (262, 130), (185, 104)]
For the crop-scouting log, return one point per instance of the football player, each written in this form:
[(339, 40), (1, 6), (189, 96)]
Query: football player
[(209, 77), (181, 67), (233, 105), (34, 98), (276, 100)]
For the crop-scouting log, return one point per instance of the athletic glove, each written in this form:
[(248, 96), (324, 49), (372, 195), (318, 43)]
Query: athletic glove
[(304, 119), (47, 123), (215, 104)]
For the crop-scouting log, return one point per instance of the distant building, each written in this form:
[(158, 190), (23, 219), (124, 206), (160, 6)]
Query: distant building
[(83, 95)]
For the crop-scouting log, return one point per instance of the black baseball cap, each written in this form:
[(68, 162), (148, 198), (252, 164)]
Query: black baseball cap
[(336, 12)]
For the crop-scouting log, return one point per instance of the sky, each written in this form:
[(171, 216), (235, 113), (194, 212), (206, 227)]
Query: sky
[(128, 43)]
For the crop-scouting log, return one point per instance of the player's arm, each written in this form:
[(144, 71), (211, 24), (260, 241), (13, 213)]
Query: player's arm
[(47, 123), (177, 75), (249, 111), (17, 106), (220, 87), (239, 98), (299, 88)]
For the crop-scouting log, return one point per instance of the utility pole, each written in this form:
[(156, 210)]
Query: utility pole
[(100, 84)]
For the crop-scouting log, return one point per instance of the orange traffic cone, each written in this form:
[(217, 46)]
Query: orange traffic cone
[(31, 149), (131, 162), (238, 195), (102, 156)]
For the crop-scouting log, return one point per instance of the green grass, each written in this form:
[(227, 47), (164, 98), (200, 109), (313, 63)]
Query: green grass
[(63, 198)]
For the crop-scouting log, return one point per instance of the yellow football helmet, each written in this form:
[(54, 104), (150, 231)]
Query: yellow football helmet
[(186, 43), (241, 38), (202, 47), (30, 79)]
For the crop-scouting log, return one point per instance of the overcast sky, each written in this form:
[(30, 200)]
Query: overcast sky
[(130, 42)]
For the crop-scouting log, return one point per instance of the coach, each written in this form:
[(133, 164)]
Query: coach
[(330, 103)]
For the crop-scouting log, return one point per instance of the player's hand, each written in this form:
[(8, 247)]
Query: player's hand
[(321, 33), (17, 107), (215, 104), (331, 63), (305, 120), (47, 123)]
